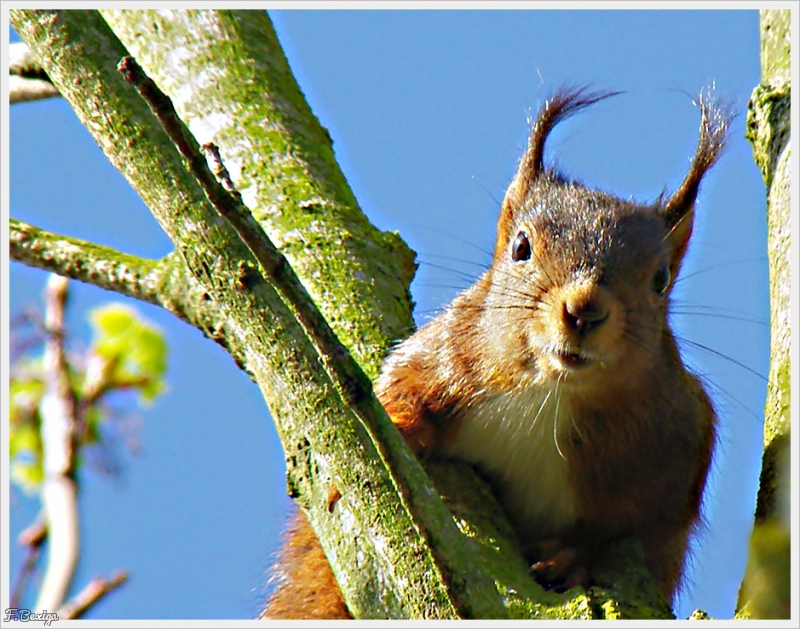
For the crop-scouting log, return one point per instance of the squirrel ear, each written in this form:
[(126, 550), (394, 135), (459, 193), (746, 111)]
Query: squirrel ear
[(678, 211), (563, 104), (679, 238)]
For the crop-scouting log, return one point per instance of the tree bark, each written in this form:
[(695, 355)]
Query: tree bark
[(766, 588)]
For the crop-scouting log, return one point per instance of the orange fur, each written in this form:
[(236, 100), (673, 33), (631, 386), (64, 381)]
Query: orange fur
[(308, 589)]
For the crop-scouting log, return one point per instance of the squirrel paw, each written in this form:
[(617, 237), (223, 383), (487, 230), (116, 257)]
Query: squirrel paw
[(557, 567)]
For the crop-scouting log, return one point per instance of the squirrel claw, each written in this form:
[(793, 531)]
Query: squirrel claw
[(559, 568)]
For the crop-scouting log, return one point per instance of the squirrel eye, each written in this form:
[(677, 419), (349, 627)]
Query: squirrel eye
[(661, 280), (521, 250)]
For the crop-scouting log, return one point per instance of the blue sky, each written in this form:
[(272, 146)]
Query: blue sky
[(427, 110)]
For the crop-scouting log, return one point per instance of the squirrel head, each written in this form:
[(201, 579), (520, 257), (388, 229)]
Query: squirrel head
[(586, 276)]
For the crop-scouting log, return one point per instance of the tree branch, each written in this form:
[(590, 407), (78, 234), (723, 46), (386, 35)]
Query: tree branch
[(27, 80), (91, 594), (766, 590), (59, 412), (343, 370), (85, 261), (165, 282), (33, 537), (79, 52), (282, 161)]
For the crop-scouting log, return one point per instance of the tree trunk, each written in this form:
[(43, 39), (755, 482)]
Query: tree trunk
[(766, 591)]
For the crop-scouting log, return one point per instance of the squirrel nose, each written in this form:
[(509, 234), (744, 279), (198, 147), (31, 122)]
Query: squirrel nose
[(583, 315)]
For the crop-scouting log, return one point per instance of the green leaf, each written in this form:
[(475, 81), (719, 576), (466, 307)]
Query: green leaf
[(25, 438), (134, 347), (28, 475), (26, 389)]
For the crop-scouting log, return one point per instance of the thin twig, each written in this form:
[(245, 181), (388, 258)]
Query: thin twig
[(19, 345), (35, 534), (91, 594), (219, 170), (25, 572), (32, 537)]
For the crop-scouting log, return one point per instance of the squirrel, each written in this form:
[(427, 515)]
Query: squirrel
[(557, 375)]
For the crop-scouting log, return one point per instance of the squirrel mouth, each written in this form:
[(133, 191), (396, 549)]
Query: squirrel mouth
[(571, 359)]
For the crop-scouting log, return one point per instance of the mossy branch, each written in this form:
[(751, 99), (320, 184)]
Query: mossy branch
[(766, 590), (282, 162), (351, 381), (396, 508), (167, 282), (85, 261)]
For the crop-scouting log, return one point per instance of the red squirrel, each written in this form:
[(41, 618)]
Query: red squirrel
[(557, 375)]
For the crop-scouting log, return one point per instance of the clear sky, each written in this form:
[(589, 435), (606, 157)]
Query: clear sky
[(427, 110)]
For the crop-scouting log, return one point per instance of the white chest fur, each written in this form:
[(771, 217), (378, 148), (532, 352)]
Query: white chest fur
[(514, 438)]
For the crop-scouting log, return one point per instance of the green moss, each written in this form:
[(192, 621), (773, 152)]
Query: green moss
[(624, 587), (768, 127), (767, 586)]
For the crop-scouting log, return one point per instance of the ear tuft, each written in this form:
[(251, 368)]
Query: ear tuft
[(678, 210), (715, 121), (563, 104)]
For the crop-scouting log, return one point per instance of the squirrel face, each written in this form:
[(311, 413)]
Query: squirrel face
[(590, 277), (578, 291)]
